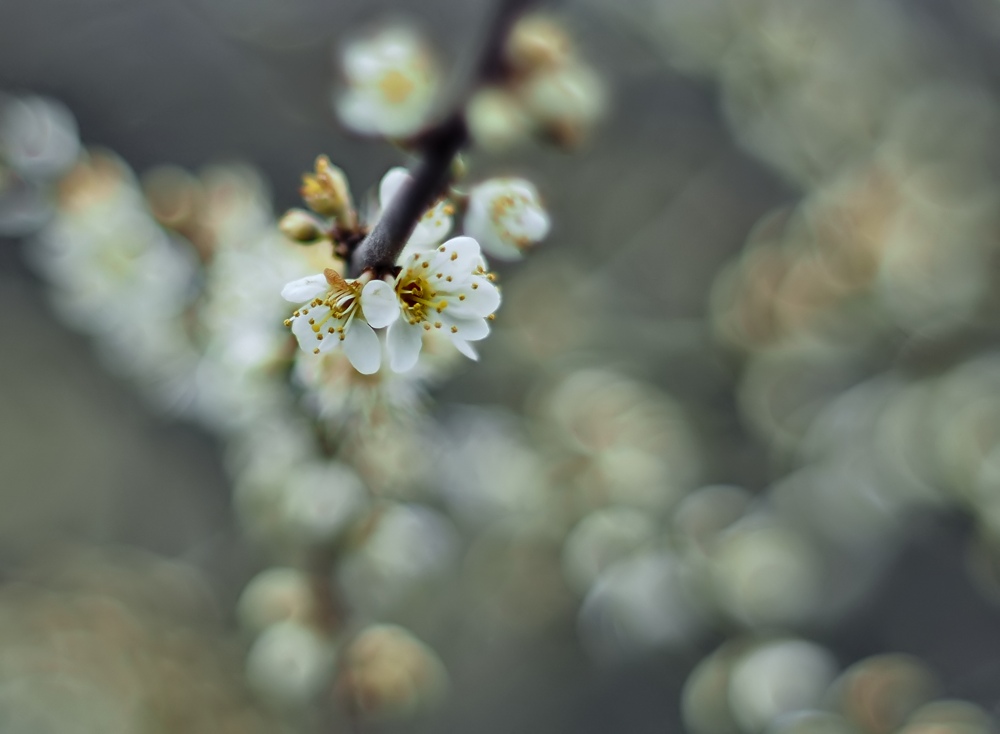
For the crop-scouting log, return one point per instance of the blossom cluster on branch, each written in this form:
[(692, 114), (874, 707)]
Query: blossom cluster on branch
[(310, 342)]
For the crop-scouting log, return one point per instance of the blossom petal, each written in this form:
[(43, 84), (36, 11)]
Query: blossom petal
[(478, 302), (305, 289), (379, 304), (468, 329), (304, 331), (535, 224), (432, 227), (358, 111), (465, 348), (392, 182), (404, 341), (458, 257), (362, 347)]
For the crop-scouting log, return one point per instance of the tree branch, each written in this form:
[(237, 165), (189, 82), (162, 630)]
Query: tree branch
[(437, 148)]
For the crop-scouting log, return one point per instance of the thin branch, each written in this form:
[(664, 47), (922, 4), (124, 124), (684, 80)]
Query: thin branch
[(437, 148)]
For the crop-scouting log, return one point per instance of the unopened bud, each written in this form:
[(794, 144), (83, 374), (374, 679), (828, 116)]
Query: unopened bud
[(538, 42), (566, 102), (459, 168), (174, 196), (326, 192), (301, 226), (496, 120), (388, 673)]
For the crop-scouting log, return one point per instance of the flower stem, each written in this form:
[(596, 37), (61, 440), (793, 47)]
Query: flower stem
[(437, 148)]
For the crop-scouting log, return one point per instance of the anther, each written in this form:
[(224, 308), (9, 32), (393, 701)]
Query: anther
[(461, 296), (454, 330), (437, 324), (454, 256), (427, 327)]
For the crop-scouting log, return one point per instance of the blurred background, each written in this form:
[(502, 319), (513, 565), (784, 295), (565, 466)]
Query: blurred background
[(730, 462)]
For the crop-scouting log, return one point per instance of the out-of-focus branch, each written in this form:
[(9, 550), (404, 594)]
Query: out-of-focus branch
[(437, 148)]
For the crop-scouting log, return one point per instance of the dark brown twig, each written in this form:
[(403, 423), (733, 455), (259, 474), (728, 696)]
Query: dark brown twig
[(437, 148)]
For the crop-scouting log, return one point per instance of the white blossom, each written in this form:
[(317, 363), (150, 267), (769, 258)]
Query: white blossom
[(447, 289), (38, 137), (321, 500), (506, 217), (290, 663), (392, 82), (331, 315)]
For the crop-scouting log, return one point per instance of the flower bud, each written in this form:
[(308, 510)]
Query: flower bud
[(326, 192), (538, 42), (389, 673), (566, 102), (300, 226), (275, 595), (173, 196), (496, 120)]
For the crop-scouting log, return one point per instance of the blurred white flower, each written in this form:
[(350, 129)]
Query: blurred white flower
[(331, 315), (446, 289), (410, 548), (601, 539), (566, 101), (496, 119), (38, 137), (276, 595), (777, 678), (638, 605), (506, 217), (387, 673), (392, 82), (290, 663), (321, 501)]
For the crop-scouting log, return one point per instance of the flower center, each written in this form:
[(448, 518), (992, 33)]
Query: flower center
[(395, 86), (418, 299)]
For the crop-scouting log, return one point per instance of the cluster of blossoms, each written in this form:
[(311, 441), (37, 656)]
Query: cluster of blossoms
[(547, 90), (441, 287), (549, 93), (592, 505), (185, 279)]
